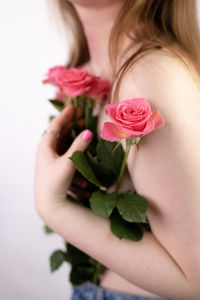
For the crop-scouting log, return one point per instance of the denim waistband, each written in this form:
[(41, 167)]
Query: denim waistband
[(90, 291)]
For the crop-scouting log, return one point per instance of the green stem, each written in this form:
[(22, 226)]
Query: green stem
[(74, 100), (96, 274), (88, 107), (128, 147), (87, 114)]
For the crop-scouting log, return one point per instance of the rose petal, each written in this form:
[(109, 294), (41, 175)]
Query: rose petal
[(157, 119), (131, 131), (110, 110), (148, 128), (99, 88), (112, 133), (74, 81)]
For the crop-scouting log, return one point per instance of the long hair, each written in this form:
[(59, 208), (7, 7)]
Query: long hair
[(169, 24)]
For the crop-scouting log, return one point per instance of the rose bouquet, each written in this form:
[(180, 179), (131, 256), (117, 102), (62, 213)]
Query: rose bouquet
[(104, 162)]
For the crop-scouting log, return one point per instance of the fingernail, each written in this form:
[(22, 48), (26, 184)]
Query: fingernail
[(87, 135)]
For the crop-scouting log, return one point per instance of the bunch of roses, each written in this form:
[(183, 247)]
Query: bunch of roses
[(72, 82), (104, 162), (82, 88)]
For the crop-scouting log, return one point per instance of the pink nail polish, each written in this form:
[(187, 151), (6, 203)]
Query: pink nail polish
[(87, 135)]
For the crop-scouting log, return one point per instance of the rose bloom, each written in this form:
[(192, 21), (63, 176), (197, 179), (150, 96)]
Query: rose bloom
[(53, 73), (74, 81), (99, 89), (133, 118)]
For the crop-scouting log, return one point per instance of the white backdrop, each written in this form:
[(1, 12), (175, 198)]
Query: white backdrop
[(29, 45)]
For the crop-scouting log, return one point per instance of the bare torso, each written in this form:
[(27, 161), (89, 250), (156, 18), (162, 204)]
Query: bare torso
[(110, 279)]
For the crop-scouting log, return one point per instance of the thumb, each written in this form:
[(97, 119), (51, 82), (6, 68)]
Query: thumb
[(80, 143)]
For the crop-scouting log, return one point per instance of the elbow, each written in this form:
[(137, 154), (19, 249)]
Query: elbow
[(41, 210)]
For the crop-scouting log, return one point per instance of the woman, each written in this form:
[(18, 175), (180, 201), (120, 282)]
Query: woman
[(163, 37)]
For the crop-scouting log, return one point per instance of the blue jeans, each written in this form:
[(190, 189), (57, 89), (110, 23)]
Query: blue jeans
[(89, 291)]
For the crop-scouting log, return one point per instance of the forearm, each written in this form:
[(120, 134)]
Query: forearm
[(145, 264)]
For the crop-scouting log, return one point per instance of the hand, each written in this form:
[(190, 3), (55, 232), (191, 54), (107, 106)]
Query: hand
[(54, 172)]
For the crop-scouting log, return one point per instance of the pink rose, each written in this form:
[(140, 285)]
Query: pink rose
[(99, 88), (53, 73), (74, 81), (133, 118)]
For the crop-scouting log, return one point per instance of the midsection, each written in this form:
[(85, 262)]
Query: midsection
[(113, 281)]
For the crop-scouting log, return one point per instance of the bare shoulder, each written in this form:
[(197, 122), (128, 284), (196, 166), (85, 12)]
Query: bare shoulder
[(158, 72), (166, 168), (168, 85)]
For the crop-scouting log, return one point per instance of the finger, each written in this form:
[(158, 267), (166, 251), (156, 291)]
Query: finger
[(62, 124), (57, 125), (67, 167), (79, 144), (80, 123), (64, 118)]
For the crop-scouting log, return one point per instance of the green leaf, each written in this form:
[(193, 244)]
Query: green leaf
[(84, 267), (117, 145), (76, 255), (80, 274), (83, 166), (111, 159), (95, 163), (76, 278), (132, 207), (103, 175), (57, 104), (102, 204), (56, 259), (125, 230), (47, 229)]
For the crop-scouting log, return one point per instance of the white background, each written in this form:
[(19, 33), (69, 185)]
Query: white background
[(29, 45)]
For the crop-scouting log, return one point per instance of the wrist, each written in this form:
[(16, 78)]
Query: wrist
[(46, 207)]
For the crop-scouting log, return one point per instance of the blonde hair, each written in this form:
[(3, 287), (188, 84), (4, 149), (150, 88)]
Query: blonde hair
[(169, 24)]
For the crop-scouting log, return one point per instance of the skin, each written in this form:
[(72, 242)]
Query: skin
[(97, 18), (166, 170)]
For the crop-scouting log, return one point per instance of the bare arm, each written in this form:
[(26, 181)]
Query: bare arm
[(164, 262)]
